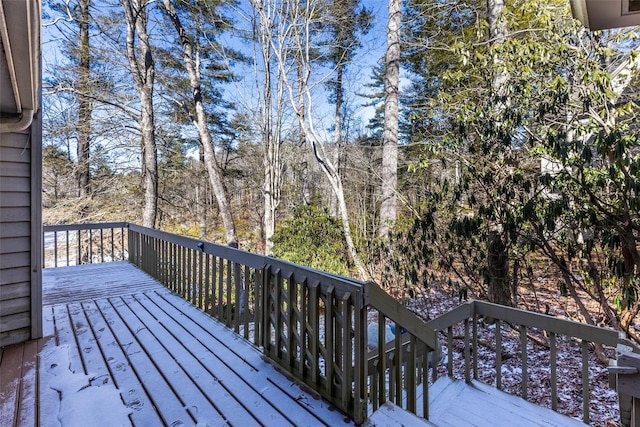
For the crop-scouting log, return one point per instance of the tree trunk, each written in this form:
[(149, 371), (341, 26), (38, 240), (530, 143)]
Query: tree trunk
[(337, 141), (211, 165), (143, 70), (389, 175), (270, 128), (85, 107), (498, 287)]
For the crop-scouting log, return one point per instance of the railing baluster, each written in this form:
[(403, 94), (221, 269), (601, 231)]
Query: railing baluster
[(375, 379), (122, 242), (79, 253), (382, 357), (90, 260), (258, 330), (425, 380), (475, 346), (101, 246), (450, 351), (467, 355), (314, 320), (397, 353), (55, 249), (208, 297), (237, 307), (411, 374), (585, 381), (346, 350), (163, 263), (175, 268), (304, 315), (329, 340), (229, 311), (290, 320), (523, 348), (498, 324), (201, 280), (193, 276), (553, 357), (220, 289), (215, 296), (67, 237), (113, 245)]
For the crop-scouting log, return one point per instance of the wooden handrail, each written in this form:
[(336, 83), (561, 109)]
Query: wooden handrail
[(377, 298), (548, 323), (89, 226)]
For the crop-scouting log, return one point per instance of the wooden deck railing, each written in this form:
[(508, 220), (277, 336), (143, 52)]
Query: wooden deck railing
[(313, 324), (467, 316), (66, 245)]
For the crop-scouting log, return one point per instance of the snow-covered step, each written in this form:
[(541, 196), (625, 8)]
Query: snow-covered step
[(455, 403), (390, 415)]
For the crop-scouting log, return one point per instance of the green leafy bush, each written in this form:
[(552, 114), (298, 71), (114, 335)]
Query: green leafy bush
[(313, 238)]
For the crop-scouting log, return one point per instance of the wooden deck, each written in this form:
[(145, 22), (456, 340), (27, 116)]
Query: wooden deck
[(120, 349)]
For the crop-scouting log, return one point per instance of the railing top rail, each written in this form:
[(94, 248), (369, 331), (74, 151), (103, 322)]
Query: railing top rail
[(517, 316), (342, 285), (391, 308), (88, 226), (237, 255), (451, 317), (582, 331)]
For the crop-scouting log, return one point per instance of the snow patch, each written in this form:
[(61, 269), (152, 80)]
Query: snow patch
[(84, 399)]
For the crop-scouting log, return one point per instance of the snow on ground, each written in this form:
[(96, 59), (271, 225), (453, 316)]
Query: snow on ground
[(84, 400)]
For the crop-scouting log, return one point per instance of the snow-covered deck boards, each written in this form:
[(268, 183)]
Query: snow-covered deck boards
[(119, 346)]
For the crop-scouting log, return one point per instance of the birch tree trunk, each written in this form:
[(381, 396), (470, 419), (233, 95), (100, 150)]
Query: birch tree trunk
[(337, 142), (389, 173), (294, 38), (211, 165), (271, 110), (142, 68)]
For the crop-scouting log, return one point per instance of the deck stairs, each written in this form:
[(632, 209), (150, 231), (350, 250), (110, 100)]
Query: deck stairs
[(455, 403)]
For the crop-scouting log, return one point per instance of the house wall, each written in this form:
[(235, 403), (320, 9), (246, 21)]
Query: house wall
[(20, 235)]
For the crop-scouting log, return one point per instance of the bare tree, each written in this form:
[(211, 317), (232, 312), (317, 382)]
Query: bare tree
[(142, 68), (270, 89), (191, 63), (293, 48)]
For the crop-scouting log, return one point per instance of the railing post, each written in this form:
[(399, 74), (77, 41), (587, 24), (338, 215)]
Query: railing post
[(626, 372), (360, 362), (131, 246)]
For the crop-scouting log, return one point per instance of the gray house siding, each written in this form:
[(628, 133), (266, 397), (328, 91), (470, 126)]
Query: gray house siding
[(20, 315), (20, 172)]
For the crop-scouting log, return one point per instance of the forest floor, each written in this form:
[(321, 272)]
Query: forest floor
[(604, 411)]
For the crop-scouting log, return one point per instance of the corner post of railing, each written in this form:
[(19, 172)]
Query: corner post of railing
[(131, 245), (360, 362), (626, 378)]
